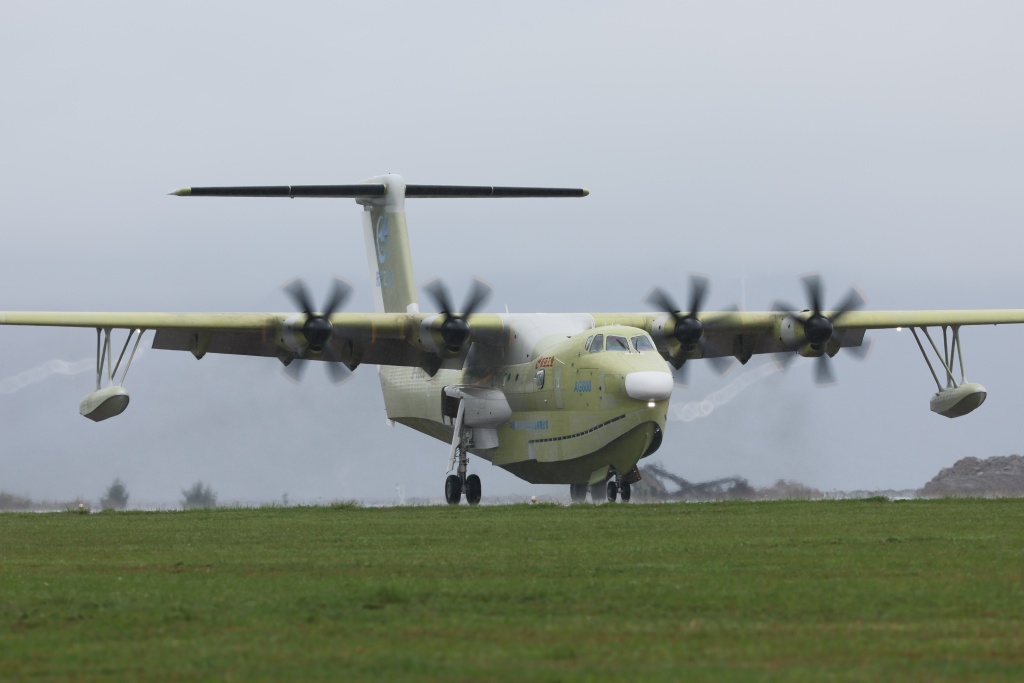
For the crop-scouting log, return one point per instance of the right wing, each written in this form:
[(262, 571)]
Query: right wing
[(376, 338)]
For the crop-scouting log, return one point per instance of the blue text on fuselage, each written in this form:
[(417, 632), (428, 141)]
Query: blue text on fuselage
[(528, 425)]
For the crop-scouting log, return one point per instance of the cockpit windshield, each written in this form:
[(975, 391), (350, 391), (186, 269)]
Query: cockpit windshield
[(616, 343), (613, 342), (642, 343)]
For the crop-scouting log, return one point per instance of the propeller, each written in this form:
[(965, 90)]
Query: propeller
[(455, 327), (688, 329), (317, 329), (819, 329)]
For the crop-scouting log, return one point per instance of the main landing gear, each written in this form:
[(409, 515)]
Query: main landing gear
[(456, 484)]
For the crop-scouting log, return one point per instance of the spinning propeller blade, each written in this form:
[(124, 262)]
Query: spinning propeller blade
[(688, 329), (818, 328), (318, 330), (454, 326)]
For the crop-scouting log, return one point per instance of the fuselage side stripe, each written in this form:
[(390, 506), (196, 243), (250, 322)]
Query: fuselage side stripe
[(574, 436)]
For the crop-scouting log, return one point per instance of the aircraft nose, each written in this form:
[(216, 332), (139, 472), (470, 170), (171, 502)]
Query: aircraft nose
[(649, 385)]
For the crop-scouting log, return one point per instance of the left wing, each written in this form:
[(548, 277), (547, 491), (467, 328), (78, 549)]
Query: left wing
[(821, 334), (744, 334)]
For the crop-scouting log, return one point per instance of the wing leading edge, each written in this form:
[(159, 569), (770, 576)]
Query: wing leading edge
[(407, 339), (744, 334), (373, 338)]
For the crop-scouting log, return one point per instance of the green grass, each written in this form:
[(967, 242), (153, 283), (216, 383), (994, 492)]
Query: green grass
[(833, 590)]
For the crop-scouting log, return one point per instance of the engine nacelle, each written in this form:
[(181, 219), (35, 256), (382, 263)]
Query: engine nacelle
[(432, 338), (104, 403), (791, 332), (957, 401)]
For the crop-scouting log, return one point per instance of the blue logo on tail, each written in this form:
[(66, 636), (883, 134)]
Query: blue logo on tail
[(382, 238)]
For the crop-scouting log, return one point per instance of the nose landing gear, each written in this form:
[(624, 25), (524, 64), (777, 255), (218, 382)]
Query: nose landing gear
[(615, 487), (578, 493), (612, 488)]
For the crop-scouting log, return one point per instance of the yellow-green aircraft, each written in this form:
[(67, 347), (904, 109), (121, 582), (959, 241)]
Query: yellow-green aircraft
[(574, 399)]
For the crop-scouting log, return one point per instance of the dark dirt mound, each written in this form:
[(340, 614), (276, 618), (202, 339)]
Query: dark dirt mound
[(658, 484)]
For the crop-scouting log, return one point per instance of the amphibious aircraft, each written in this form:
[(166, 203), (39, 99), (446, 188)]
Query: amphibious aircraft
[(572, 399)]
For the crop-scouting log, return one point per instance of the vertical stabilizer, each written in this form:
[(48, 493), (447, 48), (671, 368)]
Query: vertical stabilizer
[(387, 247)]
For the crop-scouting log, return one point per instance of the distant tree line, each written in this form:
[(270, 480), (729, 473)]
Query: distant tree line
[(199, 495), (116, 498)]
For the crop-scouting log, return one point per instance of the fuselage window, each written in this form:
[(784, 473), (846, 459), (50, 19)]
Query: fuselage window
[(597, 344), (616, 343), (642, 344), (540, 379)]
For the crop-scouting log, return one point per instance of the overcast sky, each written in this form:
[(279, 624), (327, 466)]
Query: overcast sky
[(877, 143)]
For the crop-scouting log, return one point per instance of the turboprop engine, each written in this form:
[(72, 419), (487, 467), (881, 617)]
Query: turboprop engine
[(811, 333), (450, 331)]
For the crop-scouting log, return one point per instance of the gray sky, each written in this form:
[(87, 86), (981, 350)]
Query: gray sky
[(878, 143)]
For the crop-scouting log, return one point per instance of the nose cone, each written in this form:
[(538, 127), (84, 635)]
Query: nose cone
[(649, 385)]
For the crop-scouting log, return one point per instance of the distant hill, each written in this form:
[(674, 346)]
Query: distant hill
[(996, 476)]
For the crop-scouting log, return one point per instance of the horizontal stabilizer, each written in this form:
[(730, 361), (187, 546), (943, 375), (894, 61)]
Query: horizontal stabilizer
[(472, 191), (323, 191), (366, 190)]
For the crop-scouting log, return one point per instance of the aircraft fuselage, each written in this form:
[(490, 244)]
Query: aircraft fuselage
[(582, 400)]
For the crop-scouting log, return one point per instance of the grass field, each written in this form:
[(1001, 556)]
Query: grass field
[(824, 590)]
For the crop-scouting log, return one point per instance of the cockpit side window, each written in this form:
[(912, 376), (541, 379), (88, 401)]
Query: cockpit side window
[(586, 347), (617, 343), (642, 343), (597, 344)]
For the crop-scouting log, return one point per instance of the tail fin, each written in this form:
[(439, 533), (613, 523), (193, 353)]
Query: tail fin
[(387, 247), (387, 237)]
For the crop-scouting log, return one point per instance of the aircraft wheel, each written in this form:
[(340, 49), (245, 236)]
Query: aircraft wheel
[(578, 492), (452, 490), (613, 490), (473, 489), (625, 492), (597, 493)]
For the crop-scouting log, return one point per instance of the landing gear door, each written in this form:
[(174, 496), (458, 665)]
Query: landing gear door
[(449, 408), (475, 413)]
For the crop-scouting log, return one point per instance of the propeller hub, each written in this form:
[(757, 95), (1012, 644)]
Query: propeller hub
[(318, 331), (818, 329), (688, 330), (455, 332)]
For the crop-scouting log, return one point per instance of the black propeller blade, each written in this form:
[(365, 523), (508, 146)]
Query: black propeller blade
[(454, 327), (819, 329), (317, 329), (688, 328)]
